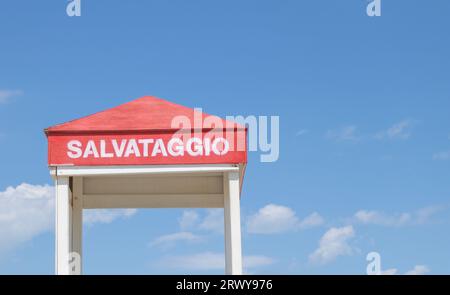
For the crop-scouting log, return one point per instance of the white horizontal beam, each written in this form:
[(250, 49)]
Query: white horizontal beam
[(102, 201), (139, 170)]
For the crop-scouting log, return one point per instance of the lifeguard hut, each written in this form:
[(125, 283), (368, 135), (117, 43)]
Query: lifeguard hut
[(147, 153)]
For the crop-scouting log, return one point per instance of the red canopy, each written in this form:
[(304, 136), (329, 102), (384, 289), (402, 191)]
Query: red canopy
[(147, 131)]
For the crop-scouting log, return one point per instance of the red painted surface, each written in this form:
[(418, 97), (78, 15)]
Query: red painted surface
[(142, 132)]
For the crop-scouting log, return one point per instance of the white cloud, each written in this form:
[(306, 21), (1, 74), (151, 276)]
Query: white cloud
[(400, 130), (423, 215), (206, 261), (213, 221), (312, 220), (301, 132), (379, 218), (170, 240), (442, 156), (276, 219), (91, 216), (272, 219), (346, 133), (188, 219), (5, 95), (269, 219), (333, 243), (420, 216), (389, 272), (25, 212), (418, 270)]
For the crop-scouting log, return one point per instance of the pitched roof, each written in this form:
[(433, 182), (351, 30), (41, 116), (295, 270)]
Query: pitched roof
[(147, 113)]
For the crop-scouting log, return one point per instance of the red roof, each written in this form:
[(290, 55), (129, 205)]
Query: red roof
[(147, 113)]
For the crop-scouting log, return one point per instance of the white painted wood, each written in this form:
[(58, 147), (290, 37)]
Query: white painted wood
[(63, 226), (153, 184), (102, 201), (232, 221), (181, 186), (139, 170), (77, 226)]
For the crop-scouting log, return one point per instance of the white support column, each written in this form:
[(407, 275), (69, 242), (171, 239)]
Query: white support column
[(77, 226), (63, 226), (232, 216)]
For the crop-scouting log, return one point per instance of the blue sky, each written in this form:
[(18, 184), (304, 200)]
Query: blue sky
[(364, 129)]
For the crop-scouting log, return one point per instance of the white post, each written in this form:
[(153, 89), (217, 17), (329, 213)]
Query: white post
[(63, 226), (77, 226), (232, 216)]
